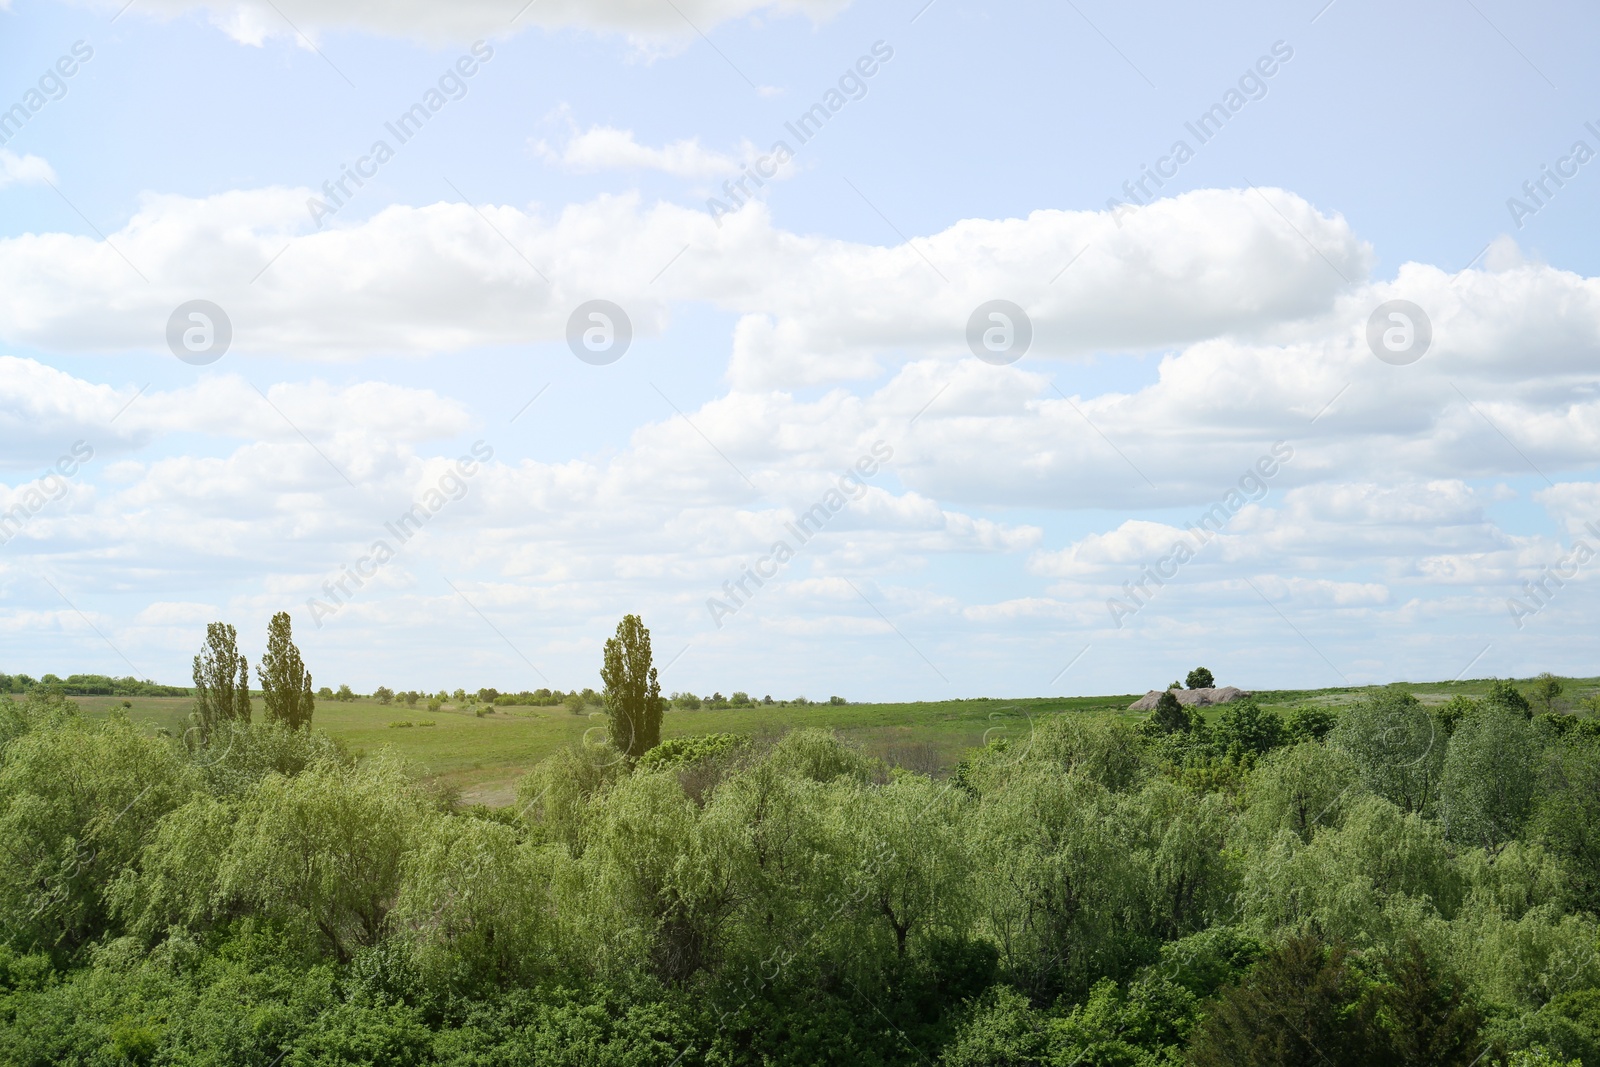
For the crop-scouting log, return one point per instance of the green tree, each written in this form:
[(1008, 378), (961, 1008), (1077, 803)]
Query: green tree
[(1546, 688), (1568, 819), (1244, 723), (1199, 678), (1300, 789), (1489, 777), (1309, 722), (1539, 1056), (1505, 695), (1302, 1004), (78, 800), (221, 681), (324, 851), (906, 861), (1426, 1014), (1398, 749), (632, 691), (1058, 876), (285, 682), (383, 694), (472, 902), (1449, 714), (1170, 716), (1003, 1028)]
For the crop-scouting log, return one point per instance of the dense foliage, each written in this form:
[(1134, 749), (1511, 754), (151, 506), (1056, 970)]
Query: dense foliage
[(1394, 885)]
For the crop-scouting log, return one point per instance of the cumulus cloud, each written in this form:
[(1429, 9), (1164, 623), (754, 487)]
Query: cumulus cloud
[(43, 409), (1383, 517), (1508, 389), (440, 278), (651, 510)]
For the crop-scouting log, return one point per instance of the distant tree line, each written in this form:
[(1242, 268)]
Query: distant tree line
[(83, 685), (575, 700)]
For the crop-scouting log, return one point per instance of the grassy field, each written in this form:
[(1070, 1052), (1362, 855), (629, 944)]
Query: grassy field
[(485, 756)]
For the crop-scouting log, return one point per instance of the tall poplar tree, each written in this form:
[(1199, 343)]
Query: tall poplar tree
[(632, 692), (221, 681), (285, 682)]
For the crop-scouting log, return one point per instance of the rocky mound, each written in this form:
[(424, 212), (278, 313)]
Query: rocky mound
[(1191, 697)]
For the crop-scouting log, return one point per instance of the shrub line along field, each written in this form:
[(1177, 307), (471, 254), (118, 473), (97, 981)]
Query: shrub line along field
[(484, 755)]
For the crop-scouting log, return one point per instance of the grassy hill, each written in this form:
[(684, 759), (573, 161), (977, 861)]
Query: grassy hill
[(484, 756)]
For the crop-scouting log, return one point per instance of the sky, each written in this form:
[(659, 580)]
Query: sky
[(898, 351)]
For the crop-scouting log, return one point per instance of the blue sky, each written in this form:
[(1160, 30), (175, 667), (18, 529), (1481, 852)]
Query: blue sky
[(1175, 344)]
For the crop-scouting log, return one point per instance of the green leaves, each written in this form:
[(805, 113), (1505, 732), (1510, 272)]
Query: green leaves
[(632, 691), (1399, 750), (1489, 777), (221, 682), (285, 682), (735, 900), (78, 801)]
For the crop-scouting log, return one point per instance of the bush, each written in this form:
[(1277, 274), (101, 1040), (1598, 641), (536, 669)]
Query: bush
[(1242, 723), (1169, 717), (1309, 723), (685, 750)]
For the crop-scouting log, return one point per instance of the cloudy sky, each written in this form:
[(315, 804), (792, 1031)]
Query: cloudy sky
[(1055, 282)]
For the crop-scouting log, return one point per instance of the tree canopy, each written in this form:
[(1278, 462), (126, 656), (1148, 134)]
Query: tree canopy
[(1229, 892)]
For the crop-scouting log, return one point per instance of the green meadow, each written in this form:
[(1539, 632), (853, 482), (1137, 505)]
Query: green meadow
[(484, 756)]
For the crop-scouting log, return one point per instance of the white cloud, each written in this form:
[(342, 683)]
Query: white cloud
[(1574, 504), (251, 22), (43, 410), (438, 278), (23, 170), (1381, 518), (576, 527), (176, 613), (607, 148)]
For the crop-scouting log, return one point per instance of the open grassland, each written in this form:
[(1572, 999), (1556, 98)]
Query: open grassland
[(484, 756)]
